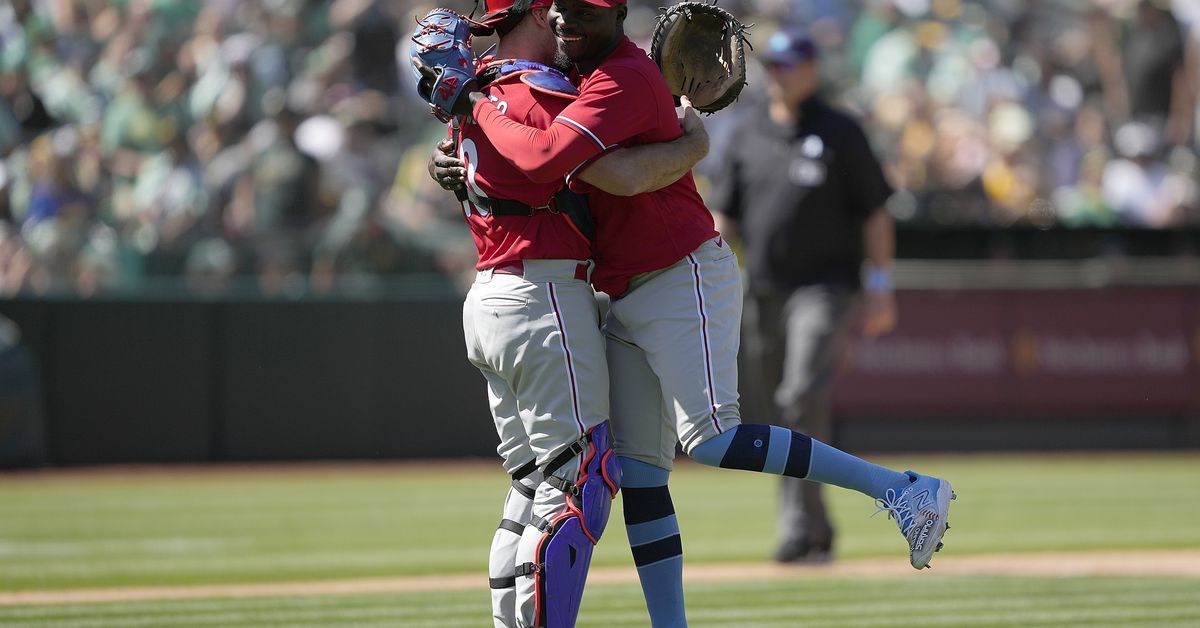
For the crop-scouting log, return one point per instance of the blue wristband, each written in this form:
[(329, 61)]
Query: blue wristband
[(878, 280)]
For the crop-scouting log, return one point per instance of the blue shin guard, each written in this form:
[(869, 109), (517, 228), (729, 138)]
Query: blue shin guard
[(563, 554), (564, 551)]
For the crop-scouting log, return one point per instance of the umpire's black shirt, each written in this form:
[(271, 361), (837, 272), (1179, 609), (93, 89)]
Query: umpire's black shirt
[(800, 194)]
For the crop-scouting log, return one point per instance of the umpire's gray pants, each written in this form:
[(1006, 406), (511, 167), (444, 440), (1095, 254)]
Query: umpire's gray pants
[(794, 344)]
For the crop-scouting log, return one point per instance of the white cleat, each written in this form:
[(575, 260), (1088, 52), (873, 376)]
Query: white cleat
[(921, 512)]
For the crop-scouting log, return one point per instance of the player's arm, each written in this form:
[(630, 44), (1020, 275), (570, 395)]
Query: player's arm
[(616, 105), (543, 155), (879, 247), (649, 167), (867, 194)]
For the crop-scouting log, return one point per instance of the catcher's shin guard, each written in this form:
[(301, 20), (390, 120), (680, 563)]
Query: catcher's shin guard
[(563, 555), (564, 550)]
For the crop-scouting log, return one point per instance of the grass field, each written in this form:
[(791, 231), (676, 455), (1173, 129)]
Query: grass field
[(157, 527)]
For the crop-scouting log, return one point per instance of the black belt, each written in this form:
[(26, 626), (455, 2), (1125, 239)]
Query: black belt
[(504, 206), (573, 206)]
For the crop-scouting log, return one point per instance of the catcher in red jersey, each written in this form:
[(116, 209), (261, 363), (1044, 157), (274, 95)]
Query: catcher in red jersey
[(672, 330), (531, 325)]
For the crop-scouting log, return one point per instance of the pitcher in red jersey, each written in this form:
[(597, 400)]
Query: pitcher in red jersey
[(672, 331), (531, 327)]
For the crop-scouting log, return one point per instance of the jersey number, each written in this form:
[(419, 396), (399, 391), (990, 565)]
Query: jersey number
[(469, 153)]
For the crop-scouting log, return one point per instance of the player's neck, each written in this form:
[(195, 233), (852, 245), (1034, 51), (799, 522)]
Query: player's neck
[(518, 48), (587, 66)]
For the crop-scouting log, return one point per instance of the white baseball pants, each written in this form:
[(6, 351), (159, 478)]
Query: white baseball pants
[(672, 343)]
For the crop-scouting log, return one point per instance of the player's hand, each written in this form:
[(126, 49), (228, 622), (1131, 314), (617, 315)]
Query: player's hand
[(695, 137), (691, 123), (446, 169), (879, 313), (429, 77)]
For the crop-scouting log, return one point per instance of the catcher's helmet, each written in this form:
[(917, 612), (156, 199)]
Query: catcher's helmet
[(497, 12)]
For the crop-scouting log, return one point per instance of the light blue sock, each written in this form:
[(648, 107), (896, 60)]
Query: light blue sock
[(778, 450), (753, 447), (654, 540), (834, 466)]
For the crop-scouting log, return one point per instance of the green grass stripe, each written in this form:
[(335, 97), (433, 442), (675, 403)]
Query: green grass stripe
[(315, 523), (944, 601)]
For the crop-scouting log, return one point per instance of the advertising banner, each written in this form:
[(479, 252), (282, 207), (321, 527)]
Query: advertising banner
[(1030, 353)]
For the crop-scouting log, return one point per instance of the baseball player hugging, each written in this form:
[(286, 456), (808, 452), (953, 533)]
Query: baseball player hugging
[(671, 334), (530, 319)]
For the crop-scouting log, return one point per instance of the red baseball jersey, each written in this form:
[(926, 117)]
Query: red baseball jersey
[(624, 102), (502, 240)]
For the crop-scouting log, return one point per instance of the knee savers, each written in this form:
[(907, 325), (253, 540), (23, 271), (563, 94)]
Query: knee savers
[(596, 484), (564, 550)]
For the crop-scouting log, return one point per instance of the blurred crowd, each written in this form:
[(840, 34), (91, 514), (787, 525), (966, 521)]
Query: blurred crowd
[(276, 145), (1010, 113), (223, 142)]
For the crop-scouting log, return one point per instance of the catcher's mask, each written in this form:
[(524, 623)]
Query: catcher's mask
[(499, 13)]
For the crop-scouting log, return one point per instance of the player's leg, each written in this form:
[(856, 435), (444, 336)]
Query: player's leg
[(684, 321), (518, 461), (644, 437), (687, 320), (654, 541), (518, 504), (502, 563), (559, 374)]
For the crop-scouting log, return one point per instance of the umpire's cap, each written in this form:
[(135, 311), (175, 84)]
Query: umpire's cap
[(789, 47)]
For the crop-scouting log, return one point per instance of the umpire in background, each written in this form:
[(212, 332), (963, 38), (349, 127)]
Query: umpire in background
[(803, 192)]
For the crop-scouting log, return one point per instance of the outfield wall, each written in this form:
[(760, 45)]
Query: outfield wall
[(138, 381), (193, 381), (1018, 353), (1049, 368)]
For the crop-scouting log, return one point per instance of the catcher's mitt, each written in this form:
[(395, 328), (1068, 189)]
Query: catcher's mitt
[(442, 44), (699, 48)]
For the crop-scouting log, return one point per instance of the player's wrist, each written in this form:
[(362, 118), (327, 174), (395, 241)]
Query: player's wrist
[(878, 279), (476, 97)]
